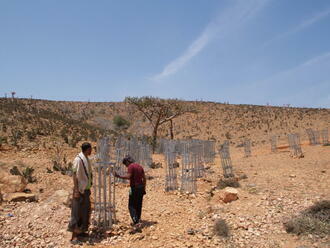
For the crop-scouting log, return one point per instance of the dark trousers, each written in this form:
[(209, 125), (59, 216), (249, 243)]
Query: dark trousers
[(135, 202), (80, 212)]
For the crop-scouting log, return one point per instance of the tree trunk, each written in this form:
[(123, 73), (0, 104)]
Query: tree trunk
[(171, 129), (154, 138)]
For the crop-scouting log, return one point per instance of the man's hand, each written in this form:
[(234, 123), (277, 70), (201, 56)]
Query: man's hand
[(76, 194)]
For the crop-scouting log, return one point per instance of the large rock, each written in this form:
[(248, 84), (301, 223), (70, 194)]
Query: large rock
[(229, 195), (11, 183), (61, 197), (16, 197)]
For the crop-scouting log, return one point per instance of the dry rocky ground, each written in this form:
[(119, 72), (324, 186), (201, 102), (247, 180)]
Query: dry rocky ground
[(276, 188)]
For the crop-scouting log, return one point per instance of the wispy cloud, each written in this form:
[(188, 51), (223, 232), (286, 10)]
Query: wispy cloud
[(300, 26), (294, 71), (288, 83), (316, 59), (234, 16)]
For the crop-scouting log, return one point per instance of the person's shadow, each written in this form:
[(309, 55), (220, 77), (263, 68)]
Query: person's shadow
[(143, 224), (146, 223), (98, 235)]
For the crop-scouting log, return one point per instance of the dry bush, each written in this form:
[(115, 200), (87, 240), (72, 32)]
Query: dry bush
[(221, 228), (228, 182), (155, 165), (26, 172), (60, 163), (314, 220)]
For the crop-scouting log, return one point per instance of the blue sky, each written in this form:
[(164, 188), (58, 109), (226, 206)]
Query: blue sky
[(237, 51)]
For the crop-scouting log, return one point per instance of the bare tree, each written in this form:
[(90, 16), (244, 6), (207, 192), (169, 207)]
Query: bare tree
[(160, 111)]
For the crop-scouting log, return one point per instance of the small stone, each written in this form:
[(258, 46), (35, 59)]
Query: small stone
[(230, 194), (191, 231)]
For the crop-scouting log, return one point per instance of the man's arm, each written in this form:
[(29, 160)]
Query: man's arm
[(76, 193), (144, 180), (126, 176)]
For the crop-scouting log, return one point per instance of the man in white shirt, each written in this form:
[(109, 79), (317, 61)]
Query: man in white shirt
[(82, 183)]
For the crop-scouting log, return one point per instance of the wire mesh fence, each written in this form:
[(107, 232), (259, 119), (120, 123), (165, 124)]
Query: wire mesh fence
[(294, 143), (273, 143), (226, 160), (247, 148)]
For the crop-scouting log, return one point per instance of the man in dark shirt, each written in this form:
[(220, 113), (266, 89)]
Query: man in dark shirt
[(137, 179)]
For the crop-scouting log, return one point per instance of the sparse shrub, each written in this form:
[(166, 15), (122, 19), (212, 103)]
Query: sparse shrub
[(314, 220), (60, 164), (242, 176), (4, 128), (228, 135), (228, 182), (64, 135), (3, 140), (93, 136), (176, 165), (31, 135), (74, 140), (27, 173), (15, 171), (221, 228), (16, 135), (155, 165), (120, 122)]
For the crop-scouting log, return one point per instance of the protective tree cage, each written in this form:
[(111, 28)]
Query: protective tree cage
[(226, 160), (294, 143), (104, 187), (171, 182)]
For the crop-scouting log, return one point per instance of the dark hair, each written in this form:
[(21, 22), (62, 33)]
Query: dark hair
[(128, 160), (85, 146)]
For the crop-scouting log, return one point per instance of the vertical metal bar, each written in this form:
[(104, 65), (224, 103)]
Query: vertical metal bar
[(94, 189), (99, 193), (109, 209), (104, 196)]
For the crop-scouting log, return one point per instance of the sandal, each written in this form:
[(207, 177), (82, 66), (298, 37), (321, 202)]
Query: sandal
[(75, 242)]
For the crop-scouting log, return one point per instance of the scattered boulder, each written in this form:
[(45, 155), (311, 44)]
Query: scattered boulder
[(19, 196), (229, 195), (61, 197), (11, 183)]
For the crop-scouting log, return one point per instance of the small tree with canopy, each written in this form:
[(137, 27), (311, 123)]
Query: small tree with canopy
[(160, 111)]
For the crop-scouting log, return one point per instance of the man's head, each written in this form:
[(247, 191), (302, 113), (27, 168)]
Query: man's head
[(128, 160), (86, 148)]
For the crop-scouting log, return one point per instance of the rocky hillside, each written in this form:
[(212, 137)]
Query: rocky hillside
[(25, 120), (31, 124)]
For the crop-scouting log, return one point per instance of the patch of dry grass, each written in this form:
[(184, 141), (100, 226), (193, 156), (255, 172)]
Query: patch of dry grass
[(314, 220), (221, 228), (228, 182)]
